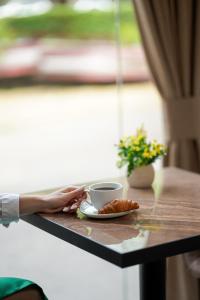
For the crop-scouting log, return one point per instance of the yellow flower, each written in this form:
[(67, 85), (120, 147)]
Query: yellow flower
[(158, 150), (153, 153), (132, 139), (146, 155), (136, 149), (140, 137)]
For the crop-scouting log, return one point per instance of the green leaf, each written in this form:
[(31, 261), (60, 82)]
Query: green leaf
[(80, 215)]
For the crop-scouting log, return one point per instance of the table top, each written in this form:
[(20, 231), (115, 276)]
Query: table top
[(167, 222)]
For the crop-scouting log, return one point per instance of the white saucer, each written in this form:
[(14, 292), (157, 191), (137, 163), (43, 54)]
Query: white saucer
[(90, 211)]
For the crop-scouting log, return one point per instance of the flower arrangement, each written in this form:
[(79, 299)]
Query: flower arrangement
[(135, 151)]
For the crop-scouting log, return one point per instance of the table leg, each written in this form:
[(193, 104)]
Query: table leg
[(152, 280)]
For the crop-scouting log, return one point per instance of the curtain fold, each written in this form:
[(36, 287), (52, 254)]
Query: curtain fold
[(170, 32)]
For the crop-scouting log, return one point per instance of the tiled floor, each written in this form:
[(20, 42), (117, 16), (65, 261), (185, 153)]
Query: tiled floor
[(55, 136)]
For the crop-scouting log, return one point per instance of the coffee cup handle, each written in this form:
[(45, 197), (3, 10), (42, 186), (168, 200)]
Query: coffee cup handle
[(87, 190)]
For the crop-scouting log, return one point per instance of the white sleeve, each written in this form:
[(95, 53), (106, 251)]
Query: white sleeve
[(9, 208)]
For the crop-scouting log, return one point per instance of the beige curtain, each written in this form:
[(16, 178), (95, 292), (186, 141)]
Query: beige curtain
[(170, 31)]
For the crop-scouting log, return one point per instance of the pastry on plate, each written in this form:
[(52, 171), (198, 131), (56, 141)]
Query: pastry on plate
[(118, 205)]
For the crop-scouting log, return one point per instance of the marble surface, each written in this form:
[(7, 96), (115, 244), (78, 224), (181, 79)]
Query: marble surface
[(169, 211)]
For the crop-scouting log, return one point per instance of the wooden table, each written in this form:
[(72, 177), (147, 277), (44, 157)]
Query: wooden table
[(167, 223)]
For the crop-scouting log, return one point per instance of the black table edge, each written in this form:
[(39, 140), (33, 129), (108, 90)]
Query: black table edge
[(122, 260)]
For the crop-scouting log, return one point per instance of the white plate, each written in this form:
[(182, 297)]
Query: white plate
[(90, 211)]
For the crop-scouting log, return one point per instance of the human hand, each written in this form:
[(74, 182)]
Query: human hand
[(67, 199)]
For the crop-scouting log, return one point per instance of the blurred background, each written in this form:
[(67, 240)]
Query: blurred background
[(73, 80), (59, 63)]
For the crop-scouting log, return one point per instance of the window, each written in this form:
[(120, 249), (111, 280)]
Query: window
[(61, 113)]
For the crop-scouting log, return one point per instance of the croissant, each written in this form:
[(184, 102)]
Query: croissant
[(118, 205)]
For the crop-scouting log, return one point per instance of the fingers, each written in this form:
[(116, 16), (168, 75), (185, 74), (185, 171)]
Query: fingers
[(67, 189), (77, 190), (70, 209), (75, 194), (66, 209), (73, 207), (75, 201), (67, 197), (78, 203)]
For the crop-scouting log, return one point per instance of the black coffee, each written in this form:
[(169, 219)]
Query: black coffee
[(105, 189)]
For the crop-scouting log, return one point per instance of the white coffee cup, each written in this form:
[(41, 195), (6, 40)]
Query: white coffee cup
[(104, 192)]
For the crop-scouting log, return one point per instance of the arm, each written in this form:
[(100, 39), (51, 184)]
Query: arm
[(30, 204), (14, 205), (53, 202)]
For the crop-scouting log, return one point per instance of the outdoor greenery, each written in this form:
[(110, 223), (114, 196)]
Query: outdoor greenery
[(135, 151), (65, 22)]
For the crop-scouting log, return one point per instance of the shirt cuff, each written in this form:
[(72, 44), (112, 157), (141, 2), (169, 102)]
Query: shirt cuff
[(10, 207)]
